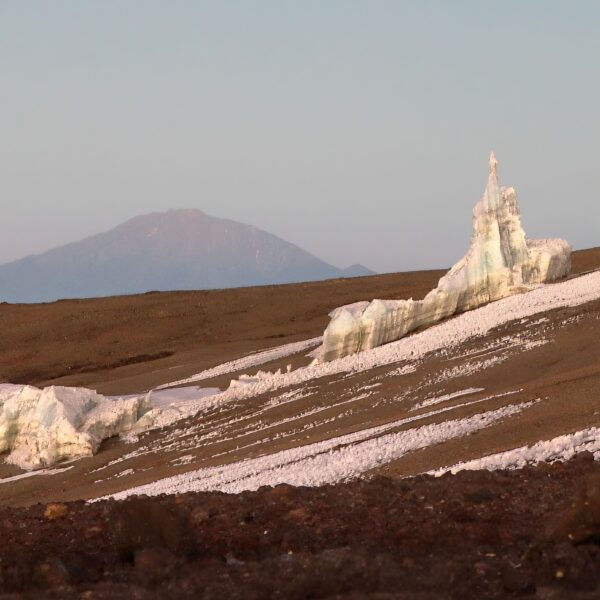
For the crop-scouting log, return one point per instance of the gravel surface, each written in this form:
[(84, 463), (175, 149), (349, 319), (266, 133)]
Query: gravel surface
[(530, 533)]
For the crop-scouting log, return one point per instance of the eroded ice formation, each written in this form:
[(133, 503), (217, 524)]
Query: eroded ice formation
[(500, 262), (40, 427)]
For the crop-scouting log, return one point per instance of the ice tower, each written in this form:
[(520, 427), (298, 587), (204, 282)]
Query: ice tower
[(500, 261)]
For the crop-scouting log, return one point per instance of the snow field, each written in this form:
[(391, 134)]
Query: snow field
[(560, 448), (247, 362), (330, 461), (446, 335)]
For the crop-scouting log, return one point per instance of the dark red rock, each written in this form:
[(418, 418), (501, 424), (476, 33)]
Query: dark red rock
[(473, 535)]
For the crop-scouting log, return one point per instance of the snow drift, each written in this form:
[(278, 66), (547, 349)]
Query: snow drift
[(40, 427), (499, 262)]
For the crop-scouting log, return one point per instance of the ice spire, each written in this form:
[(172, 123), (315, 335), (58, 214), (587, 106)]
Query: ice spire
[(493, 163), (500, 261), (492, 197)]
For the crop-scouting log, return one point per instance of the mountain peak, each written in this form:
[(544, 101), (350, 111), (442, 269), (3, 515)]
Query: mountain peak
[(357, 270), (180, 249)]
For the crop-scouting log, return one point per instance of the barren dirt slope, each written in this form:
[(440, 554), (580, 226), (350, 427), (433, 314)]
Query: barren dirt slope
[(128, 344), (131, 343), (526, 380)]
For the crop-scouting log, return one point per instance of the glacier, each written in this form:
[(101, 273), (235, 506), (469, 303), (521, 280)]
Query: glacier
[(500, 262), (40, 427)]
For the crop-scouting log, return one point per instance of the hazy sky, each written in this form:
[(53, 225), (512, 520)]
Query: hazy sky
[(358, 130)]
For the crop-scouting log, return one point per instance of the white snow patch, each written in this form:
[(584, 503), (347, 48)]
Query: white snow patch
[(560, 448), (467, 368), (34, 474), (332, 460), (445, 397), (246, 362), (124, 473), (183, 460), (161, 398)]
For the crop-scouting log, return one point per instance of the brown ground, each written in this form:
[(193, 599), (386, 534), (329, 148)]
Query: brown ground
[(563, 373), (129, 344), (586, 260), (528, 534)]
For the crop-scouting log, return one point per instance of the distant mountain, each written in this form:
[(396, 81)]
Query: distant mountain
[(176, 250), (356, 271)]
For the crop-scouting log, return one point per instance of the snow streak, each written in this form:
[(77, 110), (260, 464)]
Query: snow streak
[(337, 459)]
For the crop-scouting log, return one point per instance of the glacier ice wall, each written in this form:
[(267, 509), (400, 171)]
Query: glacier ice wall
[(499, 262), (40, 427)]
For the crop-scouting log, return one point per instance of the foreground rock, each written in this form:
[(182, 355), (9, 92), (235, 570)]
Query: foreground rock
[(40, 427), (530, 534), (499, 262)]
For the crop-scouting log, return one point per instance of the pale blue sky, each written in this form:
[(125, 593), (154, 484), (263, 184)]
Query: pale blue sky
[(358, 130)]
